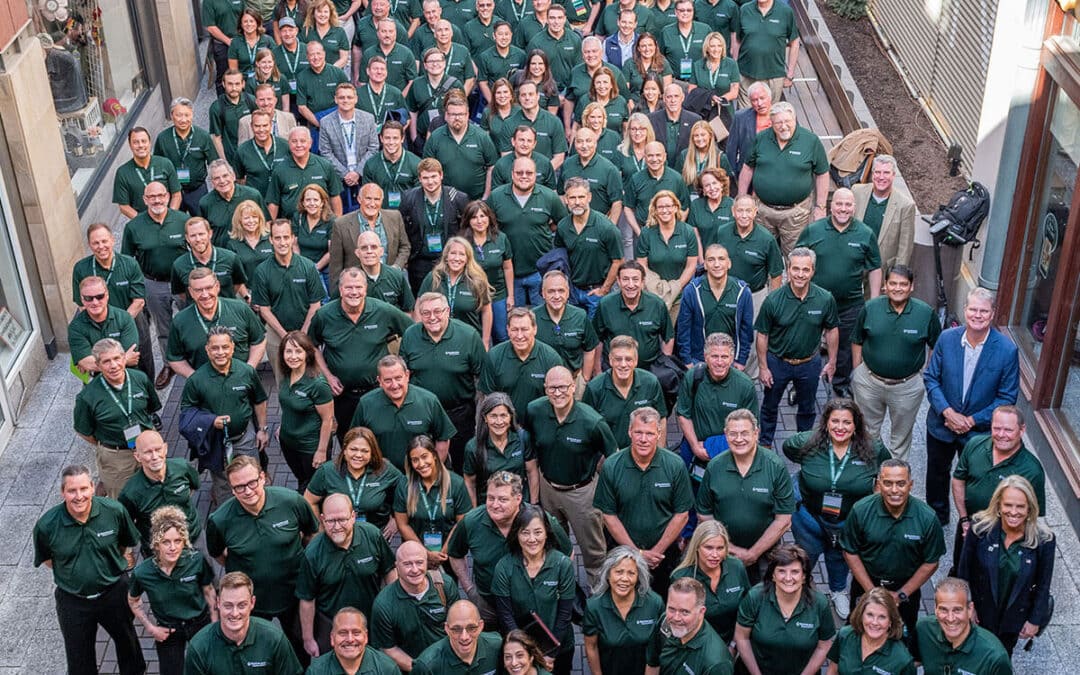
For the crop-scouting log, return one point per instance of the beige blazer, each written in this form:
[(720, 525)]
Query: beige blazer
[(897, 237), (285, 123), (347, 229)]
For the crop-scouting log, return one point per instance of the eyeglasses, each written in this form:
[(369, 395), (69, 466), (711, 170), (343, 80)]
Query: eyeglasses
[(249, 486), (93, 298), (335, 522), (558, 388), (429, 313), (471, 629)]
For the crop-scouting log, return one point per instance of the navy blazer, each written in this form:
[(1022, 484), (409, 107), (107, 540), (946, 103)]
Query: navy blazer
[(687, 119), (996, 382), (1030, 595), (613, 53), (740, 140)]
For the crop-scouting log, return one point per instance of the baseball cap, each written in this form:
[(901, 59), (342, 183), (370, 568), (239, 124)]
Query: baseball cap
[(286, 21)]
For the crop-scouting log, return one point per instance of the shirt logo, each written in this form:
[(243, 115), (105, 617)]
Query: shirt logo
[(413, 423), (298, 281), (257, 664), (912, 537), (813, 312), (454, 353), (106, 533), (571, 439), (796, 152), (371, 326), (240, 388), (910, 331), (365, 560), (807, 626), (188, 580), (471, 146), (661, 485), (760, 490), (551, 583), (645, 323), (280, 523), (176, 236), (537, 376), (646, 622), (733, 589)]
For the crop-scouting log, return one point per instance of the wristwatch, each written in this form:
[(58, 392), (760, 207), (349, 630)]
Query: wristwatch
[(902, 596)]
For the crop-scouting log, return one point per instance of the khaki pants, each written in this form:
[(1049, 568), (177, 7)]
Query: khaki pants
[(751, 362), (775, 84), (273, 346), (115, 467), (900, 401), (785, 224), (575, 508)]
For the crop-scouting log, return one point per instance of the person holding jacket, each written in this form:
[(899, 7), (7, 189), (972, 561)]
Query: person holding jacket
[(715, 303)]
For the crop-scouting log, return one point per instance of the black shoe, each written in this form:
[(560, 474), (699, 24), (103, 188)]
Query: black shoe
[(791, 396), (155, 419), (842, 392)]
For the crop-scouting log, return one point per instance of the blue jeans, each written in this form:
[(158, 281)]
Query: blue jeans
[(582, 299), (816, 537), (498, 321), (805, 377), (527, 290)]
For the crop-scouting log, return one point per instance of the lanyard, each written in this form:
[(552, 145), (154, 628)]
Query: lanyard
[(295, 62), (357, 492), (348, 127), (145, 181), (213, 321), (451, 291), (251, 55), (480, 252), (518, 16), (450, 58), (392, 177), (187, 145), (430, 509), (639, 164), (687, 43), (377, 108), (112, 395), (262, 157), (834, 475), (94, 266), (213, 260), (714, 75), (433, 216)]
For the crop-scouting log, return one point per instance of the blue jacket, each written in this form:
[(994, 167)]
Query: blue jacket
[(205, 442), (996, 382), (740, 140), (690, 327), (1029, 598), (612, 51)]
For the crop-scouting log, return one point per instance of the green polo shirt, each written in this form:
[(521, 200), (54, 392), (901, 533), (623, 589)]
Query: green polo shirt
[(131, 180), (234, 394), (522, 380), (400, 65), (335, 577), (219, 211), (643, 498), (891, 658), (667, 258), (622, 641), (571, 337), (847, 256), (155, 245), (352, 349), (755, 258), (894, 344), (527, 227), (313, 242), (794, 327), (581, 81), (512, 458), (721, 16), (255, 165), (378, 105), (491, 256), (501, 172), (609, 19), (448, 368), (178, 596), (440, 659), (634, 77), (227, 268), (763, 40), (501, 129), (250, 257), (288, 290), (784, 176), (892, 548), (84, 332), (291, 64), (642, 187), (391, 287), (225, 14), (855, 480), (225, 121), (605, 180), (491, 65), (465, 163), (874, 214), (539, 594), (981, 652), (748, 504), (187, 336), (714, 400), (602, 394), (550, 133), (981, 476), (478, 535), (142, 496), (367, 32), (316, 90), (373, 662), (720, 79), (399, 619), (783, 646), (708, 222), (425, 99), (372, 494), (191, 155), (568, 451), (300, 421), (393, 177), (616, 110), (264, 649), (289, 179), (430, 514), (124, 279), (704, 654), (649, 323), (268, 546), (459, 63), (464, 305), (393, 426), (87, 557), (562, 52), (592, 250), (722, 602), (682, 50)]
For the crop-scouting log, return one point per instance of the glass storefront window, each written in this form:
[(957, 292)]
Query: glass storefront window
[(96, 76), (15, 324)]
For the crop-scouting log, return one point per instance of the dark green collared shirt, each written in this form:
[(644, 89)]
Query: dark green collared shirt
[(225, 121), (593, 250), (755, 258), (373, 662), (142, 496), (704, 654), (448, 368), (892, 658), (393, 177), (316, 90), (353, 349), (300, 421), (187, 337), (847, 256), (464, 162), (528, 227), (219, 211), (605, 180), (250, 257), (124, 279), (234, 394), (794, 327), (335, 577), (539, 594), (785, 176), (748, 504), (289, 179), (400, 620), (104, 412), (511, 458), (783, 646), (855, 476), (649, 323), (155, 245), (255, 164), (980, 654), (642, 187), (431, 515), (420, 413), (288, 290), (722, 602), (84, 332), (87, 557), (622, 642), (568, 451), (227, 268), (643, 499), (892, 548), (440, 659), (894, 344), (131, 180), (400, 65), (521, 380), (372, 494), (602, 394), (178, 596), (981, 476), (571, 337), (715, 400), (766, 37), (265, 649), (190, 156)]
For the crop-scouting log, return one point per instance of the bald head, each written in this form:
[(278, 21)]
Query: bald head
[(148, 439), (409, 550), (462, 612), (558, 374), (336, 502)]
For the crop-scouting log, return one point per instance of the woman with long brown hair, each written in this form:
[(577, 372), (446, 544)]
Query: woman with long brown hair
[(465, 285)]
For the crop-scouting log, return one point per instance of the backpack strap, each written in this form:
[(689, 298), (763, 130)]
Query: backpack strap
[(436, 579)]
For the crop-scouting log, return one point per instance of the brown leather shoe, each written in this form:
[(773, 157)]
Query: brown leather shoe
[(163, 378)]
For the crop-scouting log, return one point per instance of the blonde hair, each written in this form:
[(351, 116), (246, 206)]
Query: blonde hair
[(237, 231), (627, 146), (1034, 532), (309, 18), (474, 274), (709, 40), (708, 529), (710, 159), (595, 106), (652, 220), (164, 519)]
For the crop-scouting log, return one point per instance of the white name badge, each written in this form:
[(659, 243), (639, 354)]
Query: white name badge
[(184, 175), (393, 199)]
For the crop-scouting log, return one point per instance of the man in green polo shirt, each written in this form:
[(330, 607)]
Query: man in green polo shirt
[(464, 150), (354, 332), (399, 59), (562, 46), (681, 42), (301, 168), (238, 638), (550, 132), (394, 169), (644, 185), (160, 481), (202, 253), (570, 440), (344, 566), (133, 177), (789, 328), (592, 243), (690, 644), (894, 540), (111, 412), (225, 114), (617, 392), (635, 312), (951, 641), (523, 143), (86, 542), (384, 282), (349, 652), (499, 59), (466, 649), (566, 328), (220, 203), (518, 366), (97, 321), (315, 87), (398, 411), (768, 42), (604, 178), (409, 614), (190, 149), (257, 158), (641, 488), (750, 491)]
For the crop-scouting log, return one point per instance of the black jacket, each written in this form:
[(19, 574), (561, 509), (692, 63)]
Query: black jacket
[(412, 212), (205, 443), (740, 140), (659, 120)]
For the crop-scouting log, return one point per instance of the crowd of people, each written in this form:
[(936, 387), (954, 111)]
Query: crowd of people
[(490, 250)]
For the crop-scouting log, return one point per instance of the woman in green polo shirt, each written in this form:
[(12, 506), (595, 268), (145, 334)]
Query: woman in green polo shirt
[(430, 501), (521, 655), (838, 466), (266, 72), (537, 578), (538, 70), (251, 38), (784, 627), (604, 91), (307, 408), (494, 254), (465, 285), (361, 472), (322, 25), (497, 120), (713, 210), (499, 446), (647, 60), (621, 616), (723, 575), (719, 73), (667, 249), (249, 237), (312, 225), (179, 585), (702, 153), (639, 133), (650, 98), (595, 117), (873, 643)]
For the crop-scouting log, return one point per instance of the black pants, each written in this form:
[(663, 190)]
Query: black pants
[(464, 418), (418, 269), (189, 200), (939, 458), (661, 576), (847, 317), (345, 405), (300, 465), (909, 611), (79, 620), (146, 344), (290, 625), (171, 651), (221, 63)]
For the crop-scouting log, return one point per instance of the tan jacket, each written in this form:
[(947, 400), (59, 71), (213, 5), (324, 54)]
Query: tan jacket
[(285, 123), (897, 237), (347, 229)]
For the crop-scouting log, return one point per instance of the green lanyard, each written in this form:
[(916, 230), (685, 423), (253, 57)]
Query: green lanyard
[(187, 146), (834, 475), (377, 108), (687, 43), (433, 215), (357, 491), (451, 292), (430, 509), (714, 75), (94, 266), (392, 177), (145, 181), (295, 62), (130, 402), (262, 157), (213, 261), (213, 321)]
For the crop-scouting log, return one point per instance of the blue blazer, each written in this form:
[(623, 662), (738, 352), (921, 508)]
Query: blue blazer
[(996, 382), (740, 140), (1028, 600)]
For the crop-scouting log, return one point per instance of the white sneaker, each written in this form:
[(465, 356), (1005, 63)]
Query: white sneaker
[(842, 604)]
